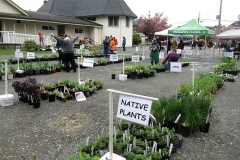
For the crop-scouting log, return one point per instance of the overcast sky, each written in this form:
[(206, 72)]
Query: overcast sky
[(178, 11)]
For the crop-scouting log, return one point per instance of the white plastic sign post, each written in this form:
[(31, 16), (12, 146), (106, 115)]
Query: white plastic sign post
[(161, 55), (189, 52), (134, 109), (179, 51), (19, 54), (30, 55), (136, 49), (176, 67), (86, 51), (87, 62), (113, 57), (17, 48), (78, 50), (80, 96), (135, 58)]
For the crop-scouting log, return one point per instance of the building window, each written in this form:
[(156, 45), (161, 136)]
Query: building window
[(112, 21), (48, 28), (91, 18), (127, 21), (77, 30)]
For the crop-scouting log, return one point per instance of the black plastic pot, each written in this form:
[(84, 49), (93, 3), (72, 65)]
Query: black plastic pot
[(51, 98), (185, 131), (205, 128), (44, 96), (133, 75), (113, 76), (36, 104)]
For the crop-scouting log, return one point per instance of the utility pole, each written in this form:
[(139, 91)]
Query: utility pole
[(198, 17), (219, 18)]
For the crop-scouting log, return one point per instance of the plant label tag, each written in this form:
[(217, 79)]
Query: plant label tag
[(80, 96), (82, 46), (189, 52), (136, 49), (88, 62), (179, 51), (17, 48), (19, 54), (113, 57), (78, 50), (177, 118), (135, 58), (176, 67), (30, 55), (86, 51)]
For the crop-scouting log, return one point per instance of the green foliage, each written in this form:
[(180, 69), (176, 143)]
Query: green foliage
[(136, 38), (29, 44)]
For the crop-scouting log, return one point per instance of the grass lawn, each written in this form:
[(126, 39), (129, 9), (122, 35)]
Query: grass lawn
[(11, 52)]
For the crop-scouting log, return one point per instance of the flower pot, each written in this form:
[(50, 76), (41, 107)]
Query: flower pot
[(61, 88), (20, 96), (58, 69), (3, 77), (69, 97), (10, 76), (20, 75), (29, 101), (29, 72), (185, 131), (113, 76), (166, 158), (25, 99), (44, 96), (36, 104), (151, 73), (52, 98), (86, 93), (43, 71), (36, 71), (146, 75), (133, 75), (205, 128), (140, 75)]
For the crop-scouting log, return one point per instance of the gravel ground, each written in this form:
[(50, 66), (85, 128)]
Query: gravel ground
[(54, 130)]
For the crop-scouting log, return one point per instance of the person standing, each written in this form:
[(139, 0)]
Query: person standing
[(115, 42), (171, 57), (112, 46), (181, 46), (68, 52), (41, 38), (124, 43), (60, 50), (169, 44), (174, 45), (154, 54), (159, 43), (106, 44)]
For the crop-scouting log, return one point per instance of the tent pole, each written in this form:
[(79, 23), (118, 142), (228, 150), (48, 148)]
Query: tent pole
[(205, 47), (167, 44)]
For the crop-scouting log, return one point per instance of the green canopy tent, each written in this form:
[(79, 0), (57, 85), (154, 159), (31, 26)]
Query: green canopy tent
[(192, 28)]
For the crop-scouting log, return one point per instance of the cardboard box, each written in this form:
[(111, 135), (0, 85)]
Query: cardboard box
[(6, 100)]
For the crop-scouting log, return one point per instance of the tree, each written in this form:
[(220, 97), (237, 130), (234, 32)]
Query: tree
[(136, 39), (149, 25)]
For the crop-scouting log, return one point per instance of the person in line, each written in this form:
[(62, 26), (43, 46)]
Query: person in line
[(60, 49), (41, 38), (106, 44), (154, 54), (124, 43), (159, 43), (236, 51), (180, 46), (112, 46), (115, 42), (68, 52), (171, 57), (174, 45), (169, 44)]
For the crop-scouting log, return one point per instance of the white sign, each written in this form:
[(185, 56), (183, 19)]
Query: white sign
[(82, 46), (80, 96), (176, 67), (134, 109), (228, 54), (78, 50), (87, 62), (17, 48), (113, 57), (19, 54), (161, 55), (179, 51), (136, 49), (135, 58), (115, 157), (30, 55), (86, 51), (189, 52)]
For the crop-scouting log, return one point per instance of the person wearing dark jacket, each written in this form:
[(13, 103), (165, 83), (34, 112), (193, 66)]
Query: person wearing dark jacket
[(68, 52), (180, 46), (60, 50), (159, 43), (169, 44), (171, 57)]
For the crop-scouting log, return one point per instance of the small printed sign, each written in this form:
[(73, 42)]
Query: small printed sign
[(82, 46), (80, 96), (134, 109), (30, 55), (228, 54), (179, 51), (161, 55), (78, 50), (189, 52), (113, 57), (88, 62), (136, 49), (19, 54), (176, 67), (17, 48), (86, 51), (135, 58)]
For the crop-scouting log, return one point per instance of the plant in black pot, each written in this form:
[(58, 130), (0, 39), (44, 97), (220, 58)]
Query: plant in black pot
[(155, 155), (123, 124), (51, 96), (129, 155)]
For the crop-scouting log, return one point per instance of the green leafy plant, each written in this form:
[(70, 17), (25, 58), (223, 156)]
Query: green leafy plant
[(29, 44)]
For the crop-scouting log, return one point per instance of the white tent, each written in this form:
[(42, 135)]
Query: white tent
[(165, 32), (233, 33)]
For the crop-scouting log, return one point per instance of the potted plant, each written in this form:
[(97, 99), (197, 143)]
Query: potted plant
[(12, 70), (129, 155), (51, 96), (29, 45), (123, 124), (155, 155)]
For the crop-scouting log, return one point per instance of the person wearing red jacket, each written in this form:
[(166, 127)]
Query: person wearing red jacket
[(171, 57), (116, 42)]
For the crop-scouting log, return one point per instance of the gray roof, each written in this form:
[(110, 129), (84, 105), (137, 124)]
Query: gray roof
[(87, 8), (38, 16)]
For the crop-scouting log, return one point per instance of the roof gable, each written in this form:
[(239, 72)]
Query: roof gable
[(9, 7), (87, 8)]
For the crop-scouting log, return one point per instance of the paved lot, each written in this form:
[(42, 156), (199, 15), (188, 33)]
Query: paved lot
[(54, 130)]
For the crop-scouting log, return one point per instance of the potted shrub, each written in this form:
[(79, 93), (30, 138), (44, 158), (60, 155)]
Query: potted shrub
[(12, 70), (29, 45)]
